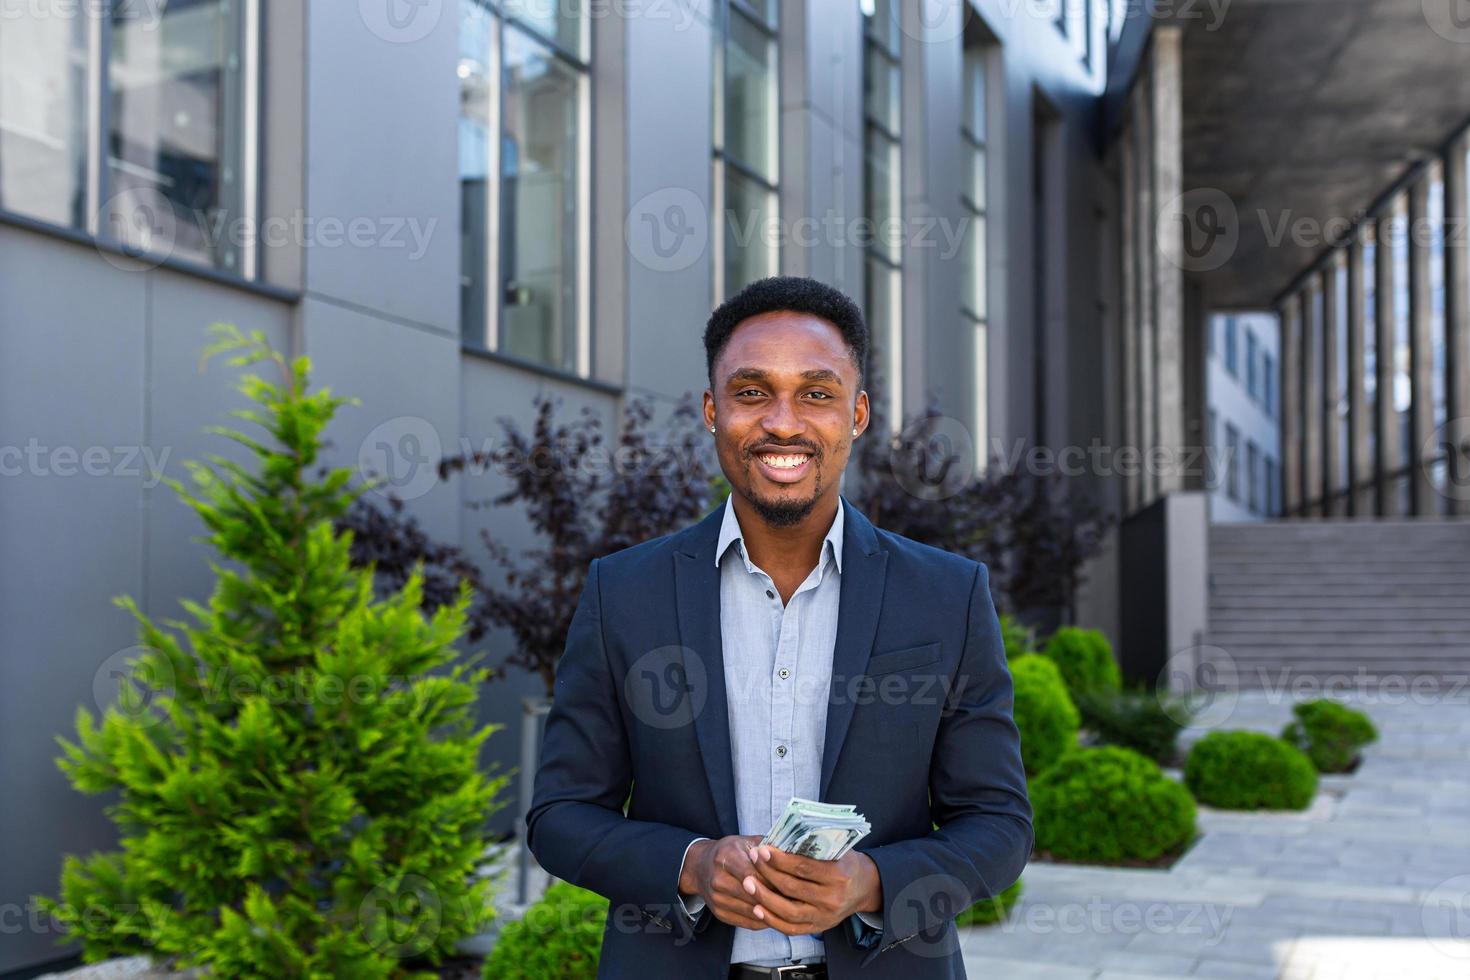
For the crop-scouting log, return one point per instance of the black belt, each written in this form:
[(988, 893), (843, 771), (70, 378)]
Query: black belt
[(795, 971)]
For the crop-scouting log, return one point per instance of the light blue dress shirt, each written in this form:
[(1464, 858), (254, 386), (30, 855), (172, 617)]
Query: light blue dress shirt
[(778, 672)]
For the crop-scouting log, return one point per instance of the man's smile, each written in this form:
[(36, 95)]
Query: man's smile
[(785, 466)]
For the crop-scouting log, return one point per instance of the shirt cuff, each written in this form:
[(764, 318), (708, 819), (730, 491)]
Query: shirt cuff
[(693, 905), (874, 922)]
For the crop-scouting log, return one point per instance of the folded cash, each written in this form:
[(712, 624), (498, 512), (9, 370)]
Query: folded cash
[(823, 831)]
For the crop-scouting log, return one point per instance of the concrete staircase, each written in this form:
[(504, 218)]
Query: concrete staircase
[(1353, 600)]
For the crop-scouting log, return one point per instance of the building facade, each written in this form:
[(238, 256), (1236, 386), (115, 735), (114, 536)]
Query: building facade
[(1242, 418), (452, 207)]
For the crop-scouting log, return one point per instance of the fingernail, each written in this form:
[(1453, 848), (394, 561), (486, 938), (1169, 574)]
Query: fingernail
[(749, 884), (751, 854), (766, 853), (760, 913)]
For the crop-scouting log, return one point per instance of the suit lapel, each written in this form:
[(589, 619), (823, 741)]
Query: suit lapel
[(864, 567), (697, 593)]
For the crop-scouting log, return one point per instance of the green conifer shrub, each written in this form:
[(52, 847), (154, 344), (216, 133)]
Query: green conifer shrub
[(295, 767)]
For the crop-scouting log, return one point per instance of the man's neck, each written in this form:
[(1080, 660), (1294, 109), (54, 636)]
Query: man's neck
[(786, 552)]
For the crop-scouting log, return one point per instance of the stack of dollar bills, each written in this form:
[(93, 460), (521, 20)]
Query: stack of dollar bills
[(823, 831)]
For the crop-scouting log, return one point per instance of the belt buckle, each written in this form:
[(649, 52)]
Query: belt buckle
[(795, 970)]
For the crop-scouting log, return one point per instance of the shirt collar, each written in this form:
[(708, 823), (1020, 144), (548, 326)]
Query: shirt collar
[(730, 532)]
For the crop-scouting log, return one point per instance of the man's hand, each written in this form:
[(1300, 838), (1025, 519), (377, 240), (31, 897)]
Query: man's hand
[(801, 896), (716, 871)]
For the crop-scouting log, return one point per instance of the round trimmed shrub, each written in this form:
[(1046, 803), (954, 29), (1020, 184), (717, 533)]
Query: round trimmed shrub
[(1085, 658), (988, 911), (1329, 733), (560, 938), (1145, 721), (1044, 713), (1018, 638), (1249, 771), (1110, 805)]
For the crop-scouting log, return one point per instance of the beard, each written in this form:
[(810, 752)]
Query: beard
[(785, 513)]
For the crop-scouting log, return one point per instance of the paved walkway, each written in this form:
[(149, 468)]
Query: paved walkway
[(1372, 881)]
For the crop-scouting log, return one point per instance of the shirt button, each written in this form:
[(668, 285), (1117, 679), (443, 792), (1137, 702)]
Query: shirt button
[(770, 594), (781, 751), (783, 673)]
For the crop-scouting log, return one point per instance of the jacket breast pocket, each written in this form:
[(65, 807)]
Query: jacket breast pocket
[(905, 659)]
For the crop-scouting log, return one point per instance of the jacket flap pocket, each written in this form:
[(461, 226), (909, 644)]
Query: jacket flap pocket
[(905, 659)]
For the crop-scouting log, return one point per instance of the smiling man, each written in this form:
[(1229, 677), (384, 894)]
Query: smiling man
[(782, 647)]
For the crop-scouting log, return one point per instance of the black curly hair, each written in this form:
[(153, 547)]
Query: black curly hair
[(797, 295)]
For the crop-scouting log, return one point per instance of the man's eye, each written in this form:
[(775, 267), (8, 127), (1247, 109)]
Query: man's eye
[(748, 391), (821, 394)]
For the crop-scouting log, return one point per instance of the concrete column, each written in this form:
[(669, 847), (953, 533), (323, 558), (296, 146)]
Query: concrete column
[(1457, 325), (1147, 256), (1131, 232), (1169, 278), (1310, 404), (1385, 418), (1360, 467), (1332, 505), (1290, 402), (1424, 500)]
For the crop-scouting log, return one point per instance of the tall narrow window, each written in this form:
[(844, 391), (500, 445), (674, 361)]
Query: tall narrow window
[(135, 123), (1231, 364), (525, 182), (1250, 363), (1232, 462), (883, 202), (1370, 341), (1438, 472), (974, 200), (1402, 384), (746, 143)]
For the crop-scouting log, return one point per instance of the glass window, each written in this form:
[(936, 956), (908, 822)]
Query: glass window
[(1370, 341), (1230, 364), (974, 195), (746, 144), (43, 110), (524, 184), (1402, 386), (750, 208), (1253, 477), (1232, 462), (174, 170), (561, 22), (1250, 363), (883, 205)]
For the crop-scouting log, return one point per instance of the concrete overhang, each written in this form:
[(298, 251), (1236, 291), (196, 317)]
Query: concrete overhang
[(1304, 112)]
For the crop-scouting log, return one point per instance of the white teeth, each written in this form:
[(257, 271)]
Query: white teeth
[(783, 462)]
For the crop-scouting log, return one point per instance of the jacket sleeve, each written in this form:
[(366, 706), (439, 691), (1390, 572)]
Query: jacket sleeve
[(977, 797), (576, 826)]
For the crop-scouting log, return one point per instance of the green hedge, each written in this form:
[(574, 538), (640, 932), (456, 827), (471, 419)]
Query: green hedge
[(1145, 721), (560, 938), (1019, 639), (1044, 713), (988, 911), (1249, 771), (1085, 658), (1329, 733), (1110, 805)]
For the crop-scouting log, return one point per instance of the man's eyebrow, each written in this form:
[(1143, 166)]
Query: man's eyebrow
[(756, 374)]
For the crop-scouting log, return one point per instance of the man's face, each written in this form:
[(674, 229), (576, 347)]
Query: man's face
[(784, 404)]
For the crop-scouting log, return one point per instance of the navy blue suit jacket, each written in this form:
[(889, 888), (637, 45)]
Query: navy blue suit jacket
[(919, 733)]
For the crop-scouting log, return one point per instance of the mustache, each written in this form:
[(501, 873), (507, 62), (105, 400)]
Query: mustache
[(772, 447)]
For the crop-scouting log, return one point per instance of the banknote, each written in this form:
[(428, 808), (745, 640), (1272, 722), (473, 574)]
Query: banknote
[(822, 831)]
